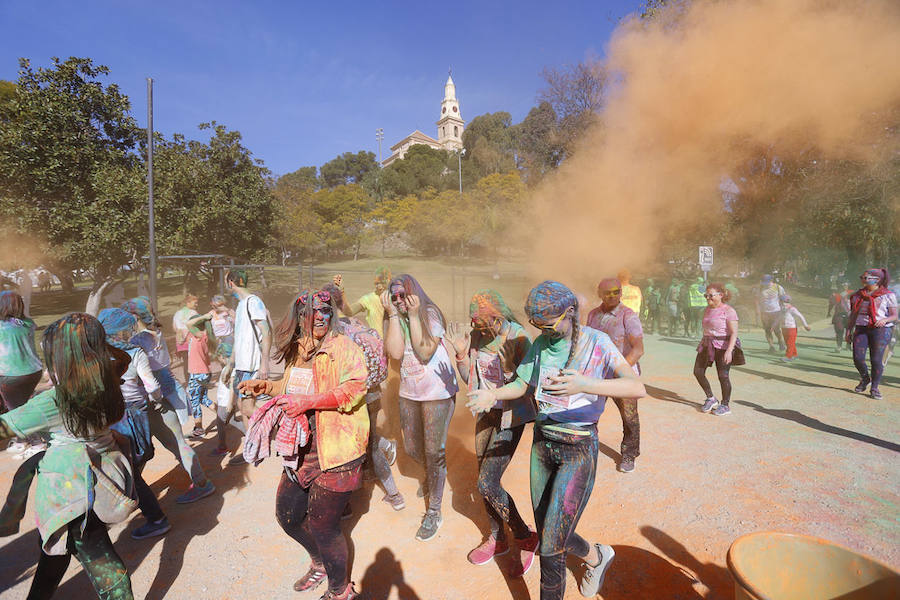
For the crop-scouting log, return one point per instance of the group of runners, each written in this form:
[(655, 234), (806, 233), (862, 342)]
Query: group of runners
[(109, 389)]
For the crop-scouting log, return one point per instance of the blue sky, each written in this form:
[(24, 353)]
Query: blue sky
[(305, 81)]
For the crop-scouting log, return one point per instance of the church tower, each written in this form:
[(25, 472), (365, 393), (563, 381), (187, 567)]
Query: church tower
[(450, 125)]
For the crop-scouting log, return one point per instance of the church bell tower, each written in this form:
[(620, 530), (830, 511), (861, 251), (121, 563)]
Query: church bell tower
[(450, 125)]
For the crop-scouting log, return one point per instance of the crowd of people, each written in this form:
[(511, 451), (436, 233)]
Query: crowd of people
[(83, 419)]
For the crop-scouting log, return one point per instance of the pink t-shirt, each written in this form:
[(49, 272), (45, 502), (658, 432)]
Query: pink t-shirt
[(715, 324), (198, 354)]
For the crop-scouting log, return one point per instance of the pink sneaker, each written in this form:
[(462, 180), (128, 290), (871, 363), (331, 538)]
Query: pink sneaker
[(488, 549), (527, 548)]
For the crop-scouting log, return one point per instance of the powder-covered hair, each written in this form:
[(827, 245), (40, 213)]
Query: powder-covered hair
[(427, 309), (298, 322), (12, 306), (83, 369), (719, 287)]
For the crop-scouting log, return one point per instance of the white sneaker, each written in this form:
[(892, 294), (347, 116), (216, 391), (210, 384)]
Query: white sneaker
[(31, 451), (16, 446)]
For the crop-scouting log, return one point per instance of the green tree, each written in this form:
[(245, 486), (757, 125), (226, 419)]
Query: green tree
[(490, 145), (298, 227), (348, 168), (575, 92), (69, 176), (423, 167), (345, 213), (538, 146), (494, 209)]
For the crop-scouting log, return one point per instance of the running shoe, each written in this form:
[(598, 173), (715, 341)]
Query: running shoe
[(626, 465), (722, 410), (876, 394), (431, 522), (527, 549), (195, 493), (31, 451), (396, 501), (487, 550), (592, 579), (863, 384), (710, 404), (311, 579), (348, 594), (151, 529), (16, 447), (391, 452)]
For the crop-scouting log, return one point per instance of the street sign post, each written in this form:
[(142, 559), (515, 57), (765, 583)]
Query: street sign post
[(705, 259)]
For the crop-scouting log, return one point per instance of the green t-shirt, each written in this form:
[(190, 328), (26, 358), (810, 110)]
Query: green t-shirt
[(17, 353)]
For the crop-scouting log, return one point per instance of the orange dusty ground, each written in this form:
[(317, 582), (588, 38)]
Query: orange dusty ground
[(799, 453)]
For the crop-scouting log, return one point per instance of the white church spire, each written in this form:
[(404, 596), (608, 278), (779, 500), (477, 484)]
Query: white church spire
[(450, 124)]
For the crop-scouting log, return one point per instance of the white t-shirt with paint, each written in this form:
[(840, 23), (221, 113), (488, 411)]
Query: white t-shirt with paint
[(882, 304), (247, 335), (435, 380)]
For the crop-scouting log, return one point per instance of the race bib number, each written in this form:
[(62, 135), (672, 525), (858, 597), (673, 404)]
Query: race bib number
[(411, 367), (546, 402), (490, 369), (300, 381)]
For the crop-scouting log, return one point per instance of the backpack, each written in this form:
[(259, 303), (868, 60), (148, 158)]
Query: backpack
[(373, 348)]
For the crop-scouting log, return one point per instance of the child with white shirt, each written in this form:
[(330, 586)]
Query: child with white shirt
[(789, 316)]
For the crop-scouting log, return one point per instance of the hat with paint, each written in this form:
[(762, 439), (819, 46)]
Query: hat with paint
[(140, 308), (549, 299)]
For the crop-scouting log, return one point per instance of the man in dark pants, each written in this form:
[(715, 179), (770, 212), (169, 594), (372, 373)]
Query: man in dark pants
[(623, 327)]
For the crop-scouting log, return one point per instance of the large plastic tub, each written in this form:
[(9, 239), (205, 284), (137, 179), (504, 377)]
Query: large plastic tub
[(785, 566)]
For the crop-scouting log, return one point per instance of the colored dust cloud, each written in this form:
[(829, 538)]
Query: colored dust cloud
[(697, 92)]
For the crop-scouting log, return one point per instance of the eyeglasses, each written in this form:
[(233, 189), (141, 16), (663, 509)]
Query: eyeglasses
[(545, 327), (708, 296), (615, 292)]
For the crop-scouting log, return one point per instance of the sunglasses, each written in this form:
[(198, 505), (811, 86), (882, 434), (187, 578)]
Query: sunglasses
[(713, 295), (399, 296), (545, 326)]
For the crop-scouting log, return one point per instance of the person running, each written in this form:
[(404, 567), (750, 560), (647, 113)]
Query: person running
[(325, 381), (768, 308), (73, 509), (381, 453), (20, 367), (138, 387), (631, 294), (571, 370), (179, 324), (414, 332), (652, 307), (487, 358), (252, 346), (873, 312), (672, 305), (839, 310), (789, 317), (719, 345), (623, 327), (697, 305), (165, 423), (370, 303)]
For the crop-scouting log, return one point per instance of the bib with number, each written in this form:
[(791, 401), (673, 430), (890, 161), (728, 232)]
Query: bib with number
[(300, 381), (546, 402), (411, 366)]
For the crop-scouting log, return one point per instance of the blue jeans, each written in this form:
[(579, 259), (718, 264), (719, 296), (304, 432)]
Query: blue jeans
[(563, 467), (875, 340), (198, 393)]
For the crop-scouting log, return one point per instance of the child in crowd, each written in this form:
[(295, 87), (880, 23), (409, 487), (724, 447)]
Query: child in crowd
[(789, 316), (199, 339)]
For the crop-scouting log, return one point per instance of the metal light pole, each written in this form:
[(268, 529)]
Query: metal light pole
[(152, 274), (379, 136), (459, 154)]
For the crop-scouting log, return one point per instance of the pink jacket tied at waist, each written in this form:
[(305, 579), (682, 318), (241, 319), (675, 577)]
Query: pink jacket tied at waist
[(290, 435)]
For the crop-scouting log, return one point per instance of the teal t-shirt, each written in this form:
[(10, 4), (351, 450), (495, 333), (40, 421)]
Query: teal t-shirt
[(17, 353)]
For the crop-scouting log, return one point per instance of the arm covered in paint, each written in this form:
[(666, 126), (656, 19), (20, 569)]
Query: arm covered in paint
[(484, 400), (346, 396)]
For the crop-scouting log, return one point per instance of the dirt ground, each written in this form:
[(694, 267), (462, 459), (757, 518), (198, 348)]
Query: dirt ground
[(799, 453)]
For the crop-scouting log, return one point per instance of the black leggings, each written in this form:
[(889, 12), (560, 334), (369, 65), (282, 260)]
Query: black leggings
[(494, 448), (94, 550), (313, 517), (700, 366)]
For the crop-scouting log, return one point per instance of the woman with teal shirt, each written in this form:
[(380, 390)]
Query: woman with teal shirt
[(570, 369)]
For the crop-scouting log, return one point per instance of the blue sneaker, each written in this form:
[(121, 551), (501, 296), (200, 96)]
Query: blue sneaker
[(722, 410), (151, 529), (194, 493)]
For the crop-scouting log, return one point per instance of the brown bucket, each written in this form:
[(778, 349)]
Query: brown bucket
[(785, 566)]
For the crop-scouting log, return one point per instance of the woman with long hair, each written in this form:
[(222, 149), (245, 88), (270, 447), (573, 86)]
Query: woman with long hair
[(20, 367), (487, 358), (873, 312), (325, 383), (413, 332), (570, 369), (720, 346), (164, 422), (85, 481)]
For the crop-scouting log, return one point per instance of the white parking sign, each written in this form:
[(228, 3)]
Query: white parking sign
[(706, 257)]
